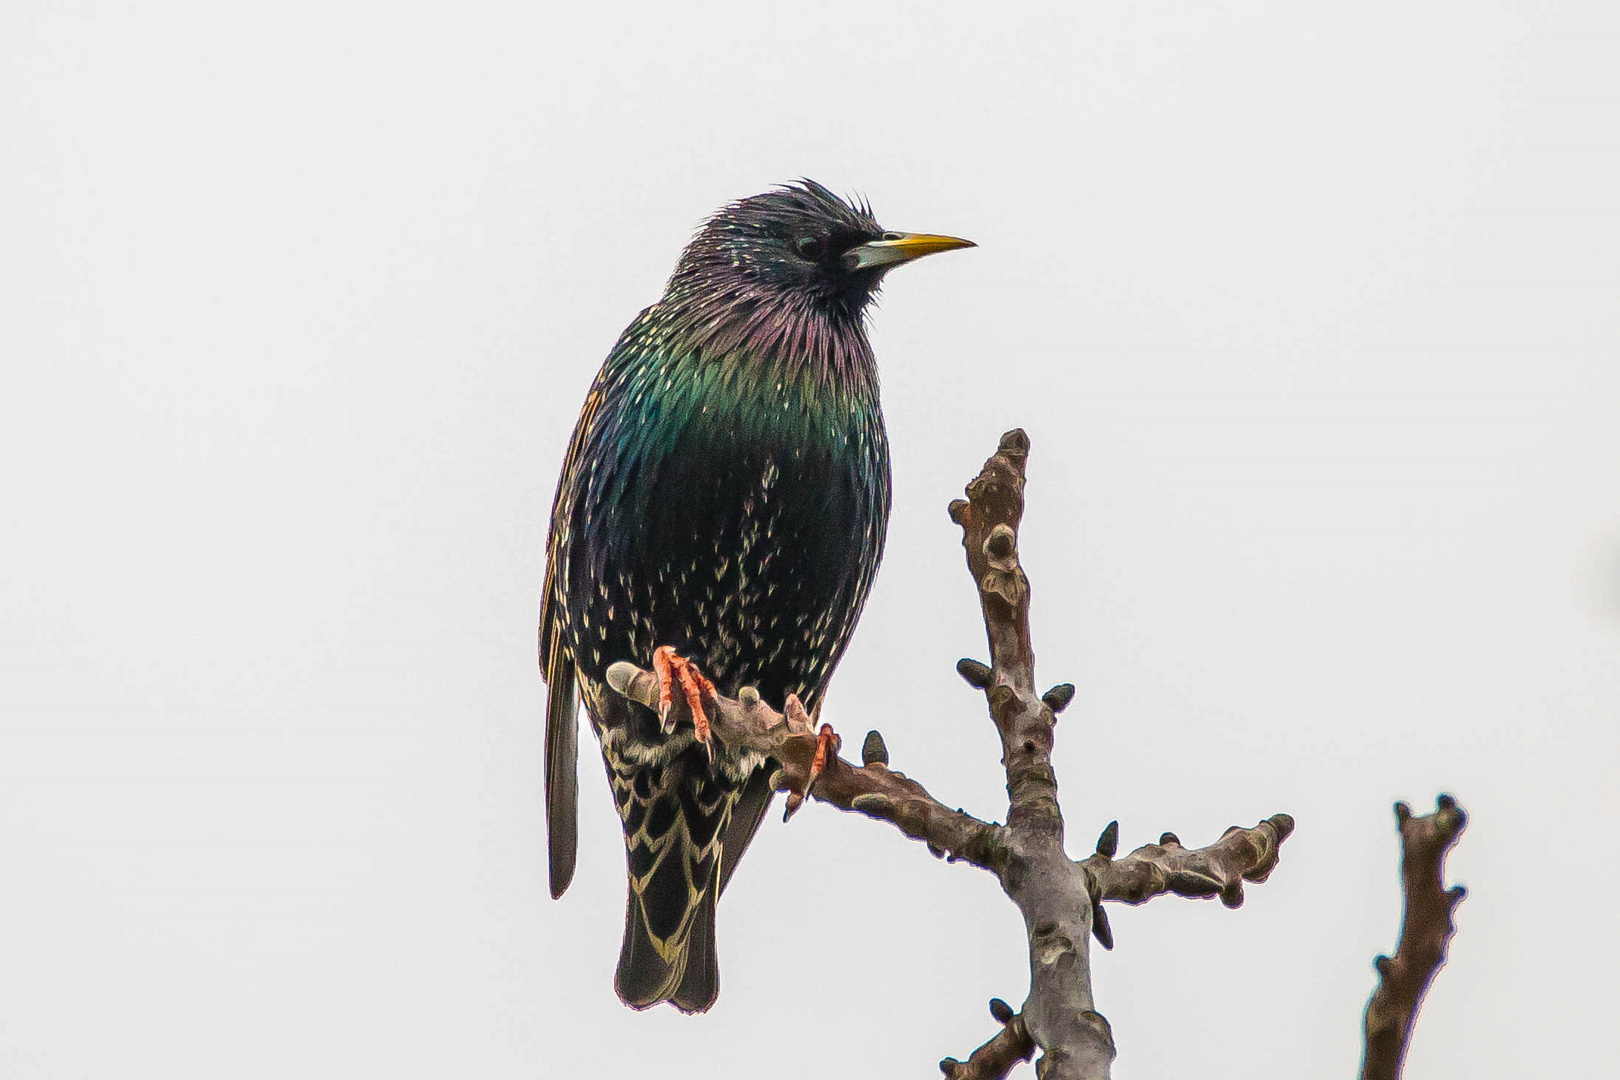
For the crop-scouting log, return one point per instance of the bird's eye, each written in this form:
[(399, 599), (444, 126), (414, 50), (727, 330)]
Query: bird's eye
[(891, 236), (810, 247)]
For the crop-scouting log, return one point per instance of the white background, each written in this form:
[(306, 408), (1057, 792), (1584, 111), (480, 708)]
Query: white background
[(1312, 313)]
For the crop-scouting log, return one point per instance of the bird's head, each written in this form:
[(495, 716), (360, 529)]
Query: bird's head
[(799, 243)]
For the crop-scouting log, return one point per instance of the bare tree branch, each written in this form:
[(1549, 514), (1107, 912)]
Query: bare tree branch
[(997, 1057), (1217, 870), (1054, 893), (1427, 926), (1059, 898)]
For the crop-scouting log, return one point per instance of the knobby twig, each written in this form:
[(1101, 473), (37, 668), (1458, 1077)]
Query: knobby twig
[(1427, 925), (1218, 870), (996, 1058), (1060, 898)]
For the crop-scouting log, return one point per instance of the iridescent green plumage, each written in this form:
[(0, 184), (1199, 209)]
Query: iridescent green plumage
[(726, 493)]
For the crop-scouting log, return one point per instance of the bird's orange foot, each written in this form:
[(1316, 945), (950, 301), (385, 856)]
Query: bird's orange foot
[(671, 667), (827, 744)]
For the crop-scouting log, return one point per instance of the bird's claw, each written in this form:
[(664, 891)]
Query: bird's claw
[(671, 667), (827, 744)]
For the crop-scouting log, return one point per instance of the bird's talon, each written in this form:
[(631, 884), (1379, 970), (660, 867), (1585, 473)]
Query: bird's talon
[(671, 667), (663, 668), (827, 744)]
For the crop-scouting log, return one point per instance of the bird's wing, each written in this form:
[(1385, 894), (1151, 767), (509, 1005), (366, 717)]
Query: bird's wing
[(562, 784), (557, 666)]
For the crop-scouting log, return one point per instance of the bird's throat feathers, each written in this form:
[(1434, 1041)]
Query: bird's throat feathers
[(781, 343)]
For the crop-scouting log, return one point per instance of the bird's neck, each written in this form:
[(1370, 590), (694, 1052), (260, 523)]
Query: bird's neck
[(784, 344)]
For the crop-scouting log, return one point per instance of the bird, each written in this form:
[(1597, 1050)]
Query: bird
[(721, 513)]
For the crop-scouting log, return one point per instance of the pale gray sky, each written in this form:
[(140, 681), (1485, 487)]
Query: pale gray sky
[(1311, 314)]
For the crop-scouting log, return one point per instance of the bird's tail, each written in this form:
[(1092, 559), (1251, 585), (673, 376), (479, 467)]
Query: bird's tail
[(675, 815), (669, 952), (685, 971)]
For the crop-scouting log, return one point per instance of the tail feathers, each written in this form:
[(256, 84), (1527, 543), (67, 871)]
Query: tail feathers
[(689, 978), (676, 815)]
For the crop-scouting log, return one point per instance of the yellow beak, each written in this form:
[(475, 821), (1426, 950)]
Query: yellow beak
[(899, 247)]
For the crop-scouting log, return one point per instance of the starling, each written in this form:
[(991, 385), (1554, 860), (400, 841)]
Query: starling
[(722, 507)]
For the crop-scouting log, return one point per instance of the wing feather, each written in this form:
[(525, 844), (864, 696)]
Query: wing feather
[(557, 667)]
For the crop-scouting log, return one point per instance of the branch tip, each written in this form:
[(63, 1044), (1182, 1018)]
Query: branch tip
[(974, 673), (1100, 928), (1427, 926), (1014, 442), (874, 751), (1057, 699), (1108, 842)]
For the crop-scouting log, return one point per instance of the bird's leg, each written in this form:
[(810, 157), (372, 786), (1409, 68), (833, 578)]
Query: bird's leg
[(671, 667), (827, 744)]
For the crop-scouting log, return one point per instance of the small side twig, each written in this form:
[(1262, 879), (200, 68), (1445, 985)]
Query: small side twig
[(996, 1058), (1217, 870), (1427, 925)]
